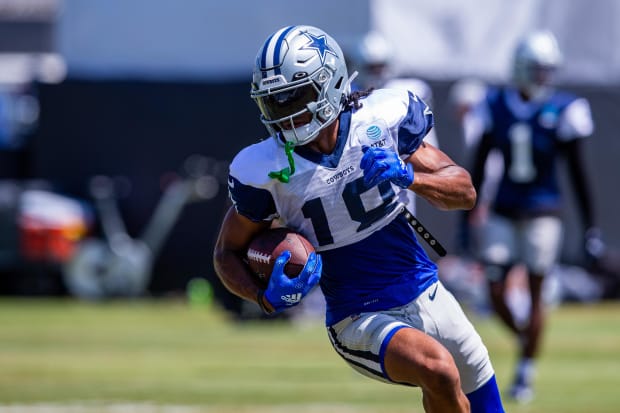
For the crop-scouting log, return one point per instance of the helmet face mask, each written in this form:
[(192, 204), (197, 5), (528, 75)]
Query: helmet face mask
[(536, 59), (300, 74), (288, 102)]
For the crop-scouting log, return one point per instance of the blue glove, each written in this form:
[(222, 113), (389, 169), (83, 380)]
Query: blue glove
[(380, 164), (282, 291)]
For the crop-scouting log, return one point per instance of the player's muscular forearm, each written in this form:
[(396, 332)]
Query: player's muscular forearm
[(448, 188), (234, 275), (233, 239), (438, 179)]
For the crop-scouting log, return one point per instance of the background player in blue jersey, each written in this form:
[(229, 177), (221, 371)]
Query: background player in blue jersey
[(531, 124), (336, 168)]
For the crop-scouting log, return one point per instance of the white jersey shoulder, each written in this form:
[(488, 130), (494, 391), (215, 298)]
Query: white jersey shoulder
[(386, 106), (576, 120), (264, 156), (420, 88)]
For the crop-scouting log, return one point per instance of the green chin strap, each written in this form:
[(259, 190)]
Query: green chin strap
[(284, 174)]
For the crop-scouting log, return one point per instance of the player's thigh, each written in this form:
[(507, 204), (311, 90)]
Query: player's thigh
[(415, 358), (388, 346), (498, 241), (541, 241)]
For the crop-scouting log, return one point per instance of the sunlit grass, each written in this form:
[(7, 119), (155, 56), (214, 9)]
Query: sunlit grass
[(165, 353)]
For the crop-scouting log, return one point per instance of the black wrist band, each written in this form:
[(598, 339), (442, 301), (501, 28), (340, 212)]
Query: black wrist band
[(261, 303)]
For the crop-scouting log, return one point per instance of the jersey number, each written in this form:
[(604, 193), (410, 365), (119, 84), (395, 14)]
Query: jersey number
[(522, 167), (351, 195)]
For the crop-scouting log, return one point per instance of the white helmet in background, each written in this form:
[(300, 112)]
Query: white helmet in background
[(536, 58), (372, 57), (299, 70)]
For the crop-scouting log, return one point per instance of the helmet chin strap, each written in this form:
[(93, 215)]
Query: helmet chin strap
[(284, 175)]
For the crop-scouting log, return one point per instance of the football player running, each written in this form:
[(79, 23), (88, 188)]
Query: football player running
[(531, 124), (336, 168)]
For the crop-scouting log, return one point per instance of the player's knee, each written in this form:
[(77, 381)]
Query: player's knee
[(441, 375)]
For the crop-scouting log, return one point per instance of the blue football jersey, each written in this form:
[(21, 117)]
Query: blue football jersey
[(371, 257), (529, 135)]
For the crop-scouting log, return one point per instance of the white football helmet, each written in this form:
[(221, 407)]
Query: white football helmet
[(536, 57), (299, 70)]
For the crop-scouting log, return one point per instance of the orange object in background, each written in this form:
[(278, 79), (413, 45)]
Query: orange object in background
[(50, 226)]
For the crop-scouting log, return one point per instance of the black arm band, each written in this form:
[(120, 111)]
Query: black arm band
[(261, 303)]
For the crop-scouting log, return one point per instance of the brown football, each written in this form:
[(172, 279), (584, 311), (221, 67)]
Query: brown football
[(268, 245)]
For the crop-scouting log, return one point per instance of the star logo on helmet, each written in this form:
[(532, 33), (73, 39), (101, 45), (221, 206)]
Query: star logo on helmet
[(318, 43)]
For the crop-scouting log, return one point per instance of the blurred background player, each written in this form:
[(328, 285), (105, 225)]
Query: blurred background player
[(532, 125), (372, 56)]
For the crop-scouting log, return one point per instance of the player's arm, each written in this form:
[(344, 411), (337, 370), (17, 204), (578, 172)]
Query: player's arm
[(577, 173), (234, 237), (575, 124), (438, 179), (282, 292), (594, 246), (480, 158)]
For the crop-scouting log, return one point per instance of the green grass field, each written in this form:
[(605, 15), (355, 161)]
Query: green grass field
[(162, 355)]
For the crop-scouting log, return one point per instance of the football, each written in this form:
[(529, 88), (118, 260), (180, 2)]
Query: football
[(267, 246)]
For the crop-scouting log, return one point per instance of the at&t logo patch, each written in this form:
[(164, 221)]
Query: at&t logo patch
[(374, 132)]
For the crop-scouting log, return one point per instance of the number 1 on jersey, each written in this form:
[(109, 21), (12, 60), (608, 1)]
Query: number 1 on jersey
[(522, 167)]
